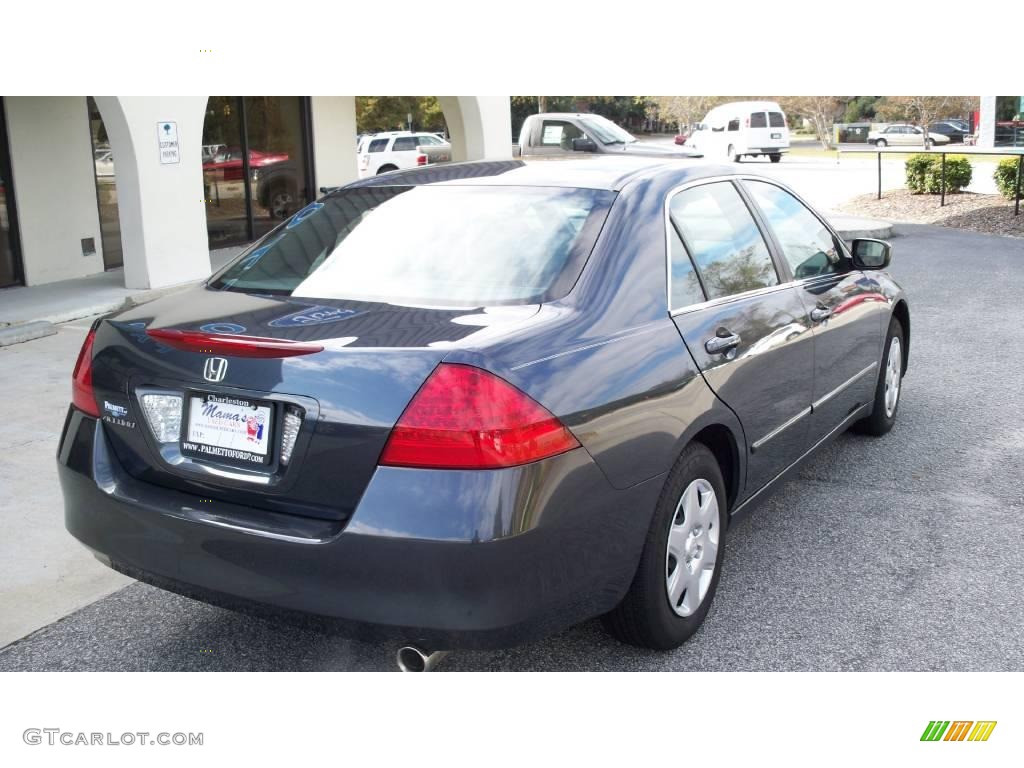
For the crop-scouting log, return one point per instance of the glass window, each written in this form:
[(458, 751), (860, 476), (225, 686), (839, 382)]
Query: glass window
[(227, 220), (776, 120), (734, 125), (606, 131), (10, 264), (405, 143), (809, 248), (429, 141), (378, 145), (106, 189), (758, 120), (686, 288), (723, 239), (508, 245), (558, 133)]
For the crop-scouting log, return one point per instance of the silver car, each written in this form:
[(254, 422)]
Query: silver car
[(903, 134)]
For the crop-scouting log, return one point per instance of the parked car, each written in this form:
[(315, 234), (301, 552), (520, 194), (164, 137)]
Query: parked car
[(474, 430), (227, 163), (680, 138), (279, 188), (574, 134), (951, 131), (904, 134), (742, 129), (384, 152)]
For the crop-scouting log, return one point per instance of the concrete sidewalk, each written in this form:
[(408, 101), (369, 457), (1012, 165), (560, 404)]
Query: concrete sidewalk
[(44, 306)]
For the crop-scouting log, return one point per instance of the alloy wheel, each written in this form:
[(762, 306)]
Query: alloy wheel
[(893, 371), (692, 551)]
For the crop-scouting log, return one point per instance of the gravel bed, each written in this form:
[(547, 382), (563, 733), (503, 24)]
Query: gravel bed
[(991, 214)]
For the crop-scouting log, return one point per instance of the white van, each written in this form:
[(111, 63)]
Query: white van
[(742, 128)]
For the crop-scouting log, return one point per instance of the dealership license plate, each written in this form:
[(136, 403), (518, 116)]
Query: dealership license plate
[(229, 428), (776, 135)]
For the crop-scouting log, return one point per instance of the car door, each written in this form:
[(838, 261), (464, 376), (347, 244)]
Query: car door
[(846, 307), (750, 334)]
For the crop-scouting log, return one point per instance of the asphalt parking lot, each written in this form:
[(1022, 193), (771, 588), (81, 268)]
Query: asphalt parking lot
[(899, 553)]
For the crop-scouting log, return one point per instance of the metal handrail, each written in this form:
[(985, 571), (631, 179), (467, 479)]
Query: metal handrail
[(1018, 153)]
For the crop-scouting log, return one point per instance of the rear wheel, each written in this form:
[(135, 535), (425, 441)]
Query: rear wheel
[(928, 143), (732, 154), (888, 386), (881, 143), (776, 157), (386, 168), (681, 562)]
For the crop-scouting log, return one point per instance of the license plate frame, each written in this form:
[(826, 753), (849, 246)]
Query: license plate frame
[(776, 136), (233, 439)]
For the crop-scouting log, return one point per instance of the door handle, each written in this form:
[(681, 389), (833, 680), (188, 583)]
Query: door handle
[(723, 341), (820, 314)]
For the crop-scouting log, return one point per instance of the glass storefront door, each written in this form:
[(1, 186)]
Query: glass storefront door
[(106, 190), (255, 165), (10, 260)]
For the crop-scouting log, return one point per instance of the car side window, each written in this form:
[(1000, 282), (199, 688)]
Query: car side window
[(734, 124), (377, 145), (430, 141), (807, 245), (685, 284), (559, 133), (405, 143), (723, 239)]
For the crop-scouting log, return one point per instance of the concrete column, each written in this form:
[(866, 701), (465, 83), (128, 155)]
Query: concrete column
[(480, 126), (987, 119), (161, 209), (54, 186), (334, 141)]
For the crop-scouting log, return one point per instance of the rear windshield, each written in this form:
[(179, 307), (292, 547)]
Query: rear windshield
[(428, 245), (757, 120), (776, 120)]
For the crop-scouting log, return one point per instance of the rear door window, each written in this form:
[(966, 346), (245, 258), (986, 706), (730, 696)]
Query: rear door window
[(378, 145), (686, 288), (405, 144), (758, 120), (776, 120), (721, 235), (734, 124)]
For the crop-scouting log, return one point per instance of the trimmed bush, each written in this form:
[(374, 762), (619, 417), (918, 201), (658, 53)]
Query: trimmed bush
[(924, 173), (1006, 177)]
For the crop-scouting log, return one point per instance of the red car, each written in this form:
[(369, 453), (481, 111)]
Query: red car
[(229, 161), (681, 138)]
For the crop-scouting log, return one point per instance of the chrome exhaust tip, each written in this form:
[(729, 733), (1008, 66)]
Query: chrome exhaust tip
[(413, 659)]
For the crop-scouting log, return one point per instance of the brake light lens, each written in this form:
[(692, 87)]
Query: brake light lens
[(236, 346), (422, 160), (82, 395), (466, 418)]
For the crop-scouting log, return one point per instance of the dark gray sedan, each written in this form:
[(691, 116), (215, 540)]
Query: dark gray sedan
[(471, 405)]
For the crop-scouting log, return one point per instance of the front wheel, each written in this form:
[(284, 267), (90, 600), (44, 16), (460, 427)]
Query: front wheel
[(888, 386), (881, 143), (681, 562)]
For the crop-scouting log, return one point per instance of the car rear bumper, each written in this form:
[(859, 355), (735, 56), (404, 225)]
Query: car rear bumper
[(445, 559)]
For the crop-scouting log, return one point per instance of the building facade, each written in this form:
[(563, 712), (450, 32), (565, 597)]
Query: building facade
[(152, 184)]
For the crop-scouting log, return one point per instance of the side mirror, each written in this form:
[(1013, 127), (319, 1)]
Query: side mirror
[(583, 144), (870, 254)]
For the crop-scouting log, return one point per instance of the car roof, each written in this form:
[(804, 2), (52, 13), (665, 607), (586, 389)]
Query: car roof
[(613, 173)]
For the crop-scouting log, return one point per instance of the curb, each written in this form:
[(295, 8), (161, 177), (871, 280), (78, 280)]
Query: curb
[(850, 227), (16, 334)]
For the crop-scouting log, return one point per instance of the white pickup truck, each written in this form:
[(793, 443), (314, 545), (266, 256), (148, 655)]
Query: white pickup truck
[(568, 134)]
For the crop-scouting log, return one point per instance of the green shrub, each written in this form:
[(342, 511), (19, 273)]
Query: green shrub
[(1006, 177), (924, 173)]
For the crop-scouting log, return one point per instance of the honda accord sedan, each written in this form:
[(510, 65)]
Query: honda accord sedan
[(471, 405)]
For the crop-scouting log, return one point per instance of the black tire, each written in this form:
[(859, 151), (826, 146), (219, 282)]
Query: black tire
[(775, 158), (731, 153), (881, 143), (386, 169), (645, 617), (880, 422)]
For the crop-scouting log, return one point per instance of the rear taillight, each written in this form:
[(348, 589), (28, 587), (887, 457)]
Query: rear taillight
[(82, 396), (467, 418), (226, 344), (422, 160)]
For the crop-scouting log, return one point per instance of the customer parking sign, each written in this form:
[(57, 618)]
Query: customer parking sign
[(167, 134)]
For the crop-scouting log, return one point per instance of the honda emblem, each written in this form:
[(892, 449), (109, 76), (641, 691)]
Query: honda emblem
[(216, 369)]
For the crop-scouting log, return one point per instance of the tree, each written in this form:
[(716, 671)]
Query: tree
[(925, 110), (820, 110), (682, 110), (389, 113)]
